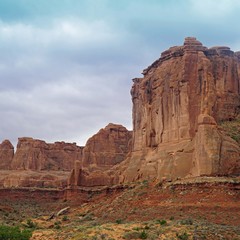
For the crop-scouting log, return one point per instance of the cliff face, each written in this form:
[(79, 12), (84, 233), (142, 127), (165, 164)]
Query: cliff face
[(33, 154), (177, 107), (104, 150), (37, 163), (6, 155), (107, 148)]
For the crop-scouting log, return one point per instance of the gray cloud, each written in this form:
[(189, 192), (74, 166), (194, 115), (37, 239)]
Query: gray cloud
[(66, 66)]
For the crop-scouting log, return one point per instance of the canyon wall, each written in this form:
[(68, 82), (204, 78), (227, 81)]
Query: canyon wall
[(177, 108), (37, 155), (37, 163)]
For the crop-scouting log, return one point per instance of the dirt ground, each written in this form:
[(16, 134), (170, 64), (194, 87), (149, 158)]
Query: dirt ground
[(198, 208)]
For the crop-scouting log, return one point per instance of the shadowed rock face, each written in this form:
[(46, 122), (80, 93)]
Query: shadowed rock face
[(176, 108), (6, 155)]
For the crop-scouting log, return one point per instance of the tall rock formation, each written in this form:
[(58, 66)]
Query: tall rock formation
[(6, 155), (177, 107), (104, 150), (37, 155), (107, 148)]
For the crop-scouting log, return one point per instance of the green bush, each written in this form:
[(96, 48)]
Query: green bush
[(162, 222), (57, 225), (14, 233), (232, 128), (136, 235), (183, 236), (65, 218), (30, 224), (119, 221), (143, 235), (188, 221)]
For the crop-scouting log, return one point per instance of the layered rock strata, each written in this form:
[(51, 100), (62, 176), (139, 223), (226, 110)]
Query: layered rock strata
[(177, 107)]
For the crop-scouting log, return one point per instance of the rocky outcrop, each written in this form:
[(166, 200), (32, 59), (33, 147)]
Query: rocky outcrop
[(33, 154), (6, 155), (177, 107), (104, 150)]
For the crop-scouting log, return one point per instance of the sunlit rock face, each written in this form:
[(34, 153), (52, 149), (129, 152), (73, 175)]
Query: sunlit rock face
[(177, 107)]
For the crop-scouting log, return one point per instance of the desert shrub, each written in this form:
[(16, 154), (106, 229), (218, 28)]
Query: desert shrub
[(183, 236), (30, 224), (64, 218), (87, 217), (143, 235), (119, 221), (136, 235), (14, 233), (232, 128), (136, 229), (188, 221), (145, 182), (162, 222), (57, 225), (131, 235)]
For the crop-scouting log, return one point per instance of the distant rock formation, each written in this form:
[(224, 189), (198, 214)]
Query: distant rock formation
[(40, 164), (37, 155), (6, 155), (177, 107), (37, 163), (104, 150)]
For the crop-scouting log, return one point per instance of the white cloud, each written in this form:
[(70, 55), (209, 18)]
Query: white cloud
[(73, 31)]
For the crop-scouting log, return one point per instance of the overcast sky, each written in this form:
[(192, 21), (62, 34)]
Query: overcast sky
[(66, 65)]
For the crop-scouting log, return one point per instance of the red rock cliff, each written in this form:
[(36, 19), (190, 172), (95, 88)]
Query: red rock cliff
[(104, 150), (177, 107), (6, 155), (33, 154)]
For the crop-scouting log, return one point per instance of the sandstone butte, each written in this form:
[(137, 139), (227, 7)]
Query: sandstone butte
[(178, 108)]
